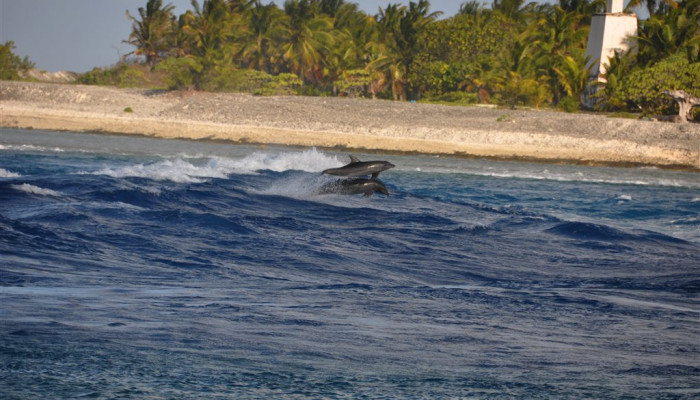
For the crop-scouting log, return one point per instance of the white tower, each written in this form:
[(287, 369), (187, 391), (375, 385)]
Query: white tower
[(609, 34)]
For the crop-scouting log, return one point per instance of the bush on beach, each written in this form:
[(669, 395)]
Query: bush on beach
[(643, 89), (179, 73), (188, 74), (251, 81), (122, 75)]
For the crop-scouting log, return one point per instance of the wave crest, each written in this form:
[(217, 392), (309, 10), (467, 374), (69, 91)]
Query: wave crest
[(8, 174), (194, 170), (27, 188)]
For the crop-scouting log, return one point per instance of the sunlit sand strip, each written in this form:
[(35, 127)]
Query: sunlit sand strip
[(494, 143)]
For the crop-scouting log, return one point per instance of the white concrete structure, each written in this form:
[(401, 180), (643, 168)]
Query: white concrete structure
[(609, 34), (615, 6)]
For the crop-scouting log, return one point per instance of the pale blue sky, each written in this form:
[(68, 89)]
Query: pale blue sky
[(77, 35)]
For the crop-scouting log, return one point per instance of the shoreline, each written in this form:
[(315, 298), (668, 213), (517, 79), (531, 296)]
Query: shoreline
[(355, 124)]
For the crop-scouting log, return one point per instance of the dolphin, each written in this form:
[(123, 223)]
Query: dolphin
[(360, 168), (354, 186)]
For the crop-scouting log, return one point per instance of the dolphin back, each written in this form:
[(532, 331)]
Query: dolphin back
[(360, 168)]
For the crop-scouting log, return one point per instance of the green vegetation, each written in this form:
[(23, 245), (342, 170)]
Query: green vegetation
[(122, 75), (510, 53), (666, 58), (645, 86), (10, 63)]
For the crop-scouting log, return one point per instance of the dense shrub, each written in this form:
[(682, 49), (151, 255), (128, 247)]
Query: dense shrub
[(280, 85), (179, 73), (353, 83), (122, 75), (569, 104), (644, 88), (186, 73)]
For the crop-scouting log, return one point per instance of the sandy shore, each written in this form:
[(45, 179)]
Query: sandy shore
[(351, 123)]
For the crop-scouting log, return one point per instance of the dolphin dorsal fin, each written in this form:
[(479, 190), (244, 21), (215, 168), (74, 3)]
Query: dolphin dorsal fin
[(354, 159)]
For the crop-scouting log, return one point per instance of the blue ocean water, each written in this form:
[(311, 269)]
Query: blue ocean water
[(152, 269)]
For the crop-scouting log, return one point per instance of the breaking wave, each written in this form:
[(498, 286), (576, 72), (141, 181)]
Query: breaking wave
[(8, 174), (195, 169), (27, 188)]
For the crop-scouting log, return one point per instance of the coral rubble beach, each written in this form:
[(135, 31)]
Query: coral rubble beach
[(351, 123)]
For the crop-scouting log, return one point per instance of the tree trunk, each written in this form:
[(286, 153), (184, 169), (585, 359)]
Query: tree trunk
[(686, 102)]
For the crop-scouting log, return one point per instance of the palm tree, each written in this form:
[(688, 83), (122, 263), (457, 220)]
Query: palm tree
[(150, 34), (261, 44), (514, 76), (586, 7), (240, 5), (609, 97), (329, 7), (572, 75), (308, 40), (519, 90), (655, 7), (400, 27), (472, 7), (556, 42), (212, 29), (353, 29), (678, 30), (388, 61), (516, 10)]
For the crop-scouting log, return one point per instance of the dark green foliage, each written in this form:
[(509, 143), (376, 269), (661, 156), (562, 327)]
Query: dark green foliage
[(676, 31), (644, 88), (458, 52), (457, 98), (353, 83), (609, 96), (252, 81), (569, 104), (180, 73), (188, 74), (513, 53), (10, 63), (121, 75), (667, 58), (282, 84), (150, 34)]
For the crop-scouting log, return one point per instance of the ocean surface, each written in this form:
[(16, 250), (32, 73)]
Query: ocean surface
[(138, 268)]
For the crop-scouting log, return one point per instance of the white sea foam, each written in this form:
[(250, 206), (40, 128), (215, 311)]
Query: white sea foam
[(30, 147), (614, 177), (308, 161), (176, 170), (193, 170), (8, 174), (299, 186), (27, 188)]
